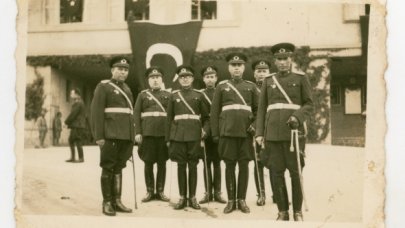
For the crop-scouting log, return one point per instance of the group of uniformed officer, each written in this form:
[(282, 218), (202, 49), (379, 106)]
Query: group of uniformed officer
[(236, 121)]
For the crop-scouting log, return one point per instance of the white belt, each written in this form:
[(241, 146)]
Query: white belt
[(118, 110), (155, 114), (283, 106), (237, 107), (186, 117)]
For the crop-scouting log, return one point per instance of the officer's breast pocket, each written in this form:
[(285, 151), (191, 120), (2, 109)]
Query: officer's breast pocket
[(293, 89)]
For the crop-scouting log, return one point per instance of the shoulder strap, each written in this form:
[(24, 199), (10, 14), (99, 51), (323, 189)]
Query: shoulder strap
[(206, 97), (282, 90), (156, 100), (185, 103), (123, 93), (237, 92)]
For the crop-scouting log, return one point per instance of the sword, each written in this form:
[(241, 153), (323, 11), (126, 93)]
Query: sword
[(133, 169), (294, 134), (206, 167), (257, 168)]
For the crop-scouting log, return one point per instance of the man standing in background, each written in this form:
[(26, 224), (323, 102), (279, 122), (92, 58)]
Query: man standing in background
[(76, 121)]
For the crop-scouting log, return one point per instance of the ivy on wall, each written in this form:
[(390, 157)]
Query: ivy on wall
[(34, 98), (318, 74)]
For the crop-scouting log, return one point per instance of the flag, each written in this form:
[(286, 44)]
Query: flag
[(166, 46)]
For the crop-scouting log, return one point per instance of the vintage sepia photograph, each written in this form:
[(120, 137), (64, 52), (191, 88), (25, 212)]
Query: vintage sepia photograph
[(200, 113)]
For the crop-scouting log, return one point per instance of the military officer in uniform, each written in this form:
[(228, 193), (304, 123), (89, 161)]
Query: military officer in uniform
[(232, 118), (187, 113), (113, 128), (76, 121), (261, 68), (213, 184), (150, 119), (285, 104)]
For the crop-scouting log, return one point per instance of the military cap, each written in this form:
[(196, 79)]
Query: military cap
[(120, 61), (236, 58), (282, 50), (154, 71), (209, 70), (260, 64), (185, 70)]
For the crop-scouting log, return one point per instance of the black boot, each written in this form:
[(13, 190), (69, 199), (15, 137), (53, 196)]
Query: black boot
[(243, 179), (261, 195), (150, 183), (80, 152), (193, 203), (298, 217), (106, 189), (243, 206), (182, 181), (207, 183), (160, 182), (207, 198), (119, 207), (181, 204), (72, 153), (217, 183), (283, 216), (273, 188), (230, 181), (192, 184)]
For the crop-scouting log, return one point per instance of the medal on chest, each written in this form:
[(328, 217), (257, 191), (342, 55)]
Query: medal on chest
[(273, 86), (227, 89), (116, 91)]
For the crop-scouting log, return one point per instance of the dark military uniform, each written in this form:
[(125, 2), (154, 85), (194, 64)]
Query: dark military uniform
[(76, 121), (273, 114), (184, 129), (259, 167), (112, 120), (230, 120), (150, 121), (213, 184)]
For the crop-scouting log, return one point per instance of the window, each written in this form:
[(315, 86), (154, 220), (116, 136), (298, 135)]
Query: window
[(203, 9), (71, 11), (137, 9), (335, 95)]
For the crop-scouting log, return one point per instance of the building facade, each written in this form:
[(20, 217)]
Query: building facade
[(95, 30)]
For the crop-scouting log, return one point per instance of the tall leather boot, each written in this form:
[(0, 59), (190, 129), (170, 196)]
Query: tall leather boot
[(119, 207), (106, 189), (182, 181), (297, 198), (207, 184), (261, 193), (273, 188), (243, 179), (72, 152), (160, 182), (150, 182), (192, 184), (80, 151), (230, 181), (217, 183), (282, 197)]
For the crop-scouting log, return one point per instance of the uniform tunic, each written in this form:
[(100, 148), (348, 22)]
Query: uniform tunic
[(150, 122), (116, 127), (232, 124), (184, 132)]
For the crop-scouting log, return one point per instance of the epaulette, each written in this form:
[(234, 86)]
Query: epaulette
[(222, 82), (175, 91), (298, 72), (144, 90), (250, 82), (200, 91), (105, 81)]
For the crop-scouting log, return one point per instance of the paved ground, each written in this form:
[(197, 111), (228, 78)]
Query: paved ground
[(333, 185)]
